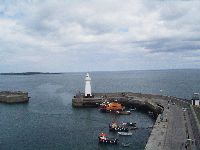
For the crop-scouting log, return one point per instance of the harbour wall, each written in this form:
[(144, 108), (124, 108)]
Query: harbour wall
[(175, 121), (14, 97), (129, 99)]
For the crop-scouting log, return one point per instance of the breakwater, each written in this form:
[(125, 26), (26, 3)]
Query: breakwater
[(14, 97), (172, 130), (138, 100)]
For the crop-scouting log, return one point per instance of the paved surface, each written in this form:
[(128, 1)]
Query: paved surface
[(171, 132), (176, 131)]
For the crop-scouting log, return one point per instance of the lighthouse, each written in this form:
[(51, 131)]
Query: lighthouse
[(88, 90)]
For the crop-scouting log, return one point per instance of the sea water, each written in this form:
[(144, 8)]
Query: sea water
[(48, 121)]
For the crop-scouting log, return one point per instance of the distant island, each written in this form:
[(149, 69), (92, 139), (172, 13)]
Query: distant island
[(28, 73)]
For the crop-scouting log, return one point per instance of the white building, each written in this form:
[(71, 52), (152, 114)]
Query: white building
[(88, 90), (195, 99)]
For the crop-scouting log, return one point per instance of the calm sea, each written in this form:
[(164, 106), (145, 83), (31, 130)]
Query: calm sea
[(49, 122)]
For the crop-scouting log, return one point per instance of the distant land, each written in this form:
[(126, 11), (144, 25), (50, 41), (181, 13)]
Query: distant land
[(28, 73)]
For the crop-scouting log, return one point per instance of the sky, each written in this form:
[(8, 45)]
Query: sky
[(99, 35)]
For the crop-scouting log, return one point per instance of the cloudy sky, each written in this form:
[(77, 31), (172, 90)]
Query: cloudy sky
[(91, 35)]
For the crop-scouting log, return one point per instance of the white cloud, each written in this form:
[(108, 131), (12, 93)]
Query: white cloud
[(83, 33)]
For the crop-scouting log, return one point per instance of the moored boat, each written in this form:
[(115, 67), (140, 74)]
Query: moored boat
[(126, 144), (111, 107), (125, 133), (115, 127), (150, 113), (104, 139), (123, 112), (132, 109), (130, 125)]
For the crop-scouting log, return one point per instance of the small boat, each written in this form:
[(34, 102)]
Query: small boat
[(115, 127), (150, 113), (103, 139), (125, 133), (132, 109), (111, 107), (133, 128), (129, 124), (126, 144), (123, 112)]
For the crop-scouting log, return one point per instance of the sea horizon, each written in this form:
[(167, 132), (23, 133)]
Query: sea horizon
[(63, 72)]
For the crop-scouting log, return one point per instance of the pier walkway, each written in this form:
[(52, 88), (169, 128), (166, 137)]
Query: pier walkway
[(171, 131)]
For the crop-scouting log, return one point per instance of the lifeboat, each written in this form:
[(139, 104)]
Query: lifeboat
[(111, 107), (114, 107)]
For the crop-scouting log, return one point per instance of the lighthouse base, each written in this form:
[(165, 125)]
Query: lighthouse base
[(88, 96)]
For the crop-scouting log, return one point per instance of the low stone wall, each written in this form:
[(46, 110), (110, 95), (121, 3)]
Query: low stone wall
[(14, 97)]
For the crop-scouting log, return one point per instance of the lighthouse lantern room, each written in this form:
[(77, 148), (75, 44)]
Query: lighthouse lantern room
[(88, 91)]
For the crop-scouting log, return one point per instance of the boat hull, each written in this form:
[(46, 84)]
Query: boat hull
[(108, 141)]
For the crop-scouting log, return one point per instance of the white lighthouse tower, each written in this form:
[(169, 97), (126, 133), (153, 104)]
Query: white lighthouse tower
[(88, 91)]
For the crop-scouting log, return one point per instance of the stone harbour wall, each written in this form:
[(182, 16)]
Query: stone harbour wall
[(14, 97)]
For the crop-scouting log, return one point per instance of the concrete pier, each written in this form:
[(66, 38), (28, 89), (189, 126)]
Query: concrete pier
[(173, 129), (14, 97)]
